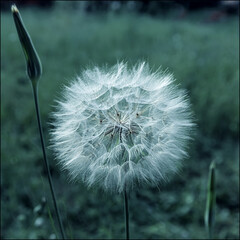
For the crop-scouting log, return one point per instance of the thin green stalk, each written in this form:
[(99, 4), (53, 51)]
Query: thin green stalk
[(126, 214), (35, 94), (211, 201), (34, 72)]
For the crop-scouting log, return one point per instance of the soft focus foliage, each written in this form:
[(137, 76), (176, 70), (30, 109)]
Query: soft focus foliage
[(204, 59), (118, 128)]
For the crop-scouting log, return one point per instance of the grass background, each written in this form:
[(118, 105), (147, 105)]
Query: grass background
[(204, 58)]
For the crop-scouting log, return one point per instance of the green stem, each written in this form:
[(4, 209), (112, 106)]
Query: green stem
[(126, 215), (35, 93)]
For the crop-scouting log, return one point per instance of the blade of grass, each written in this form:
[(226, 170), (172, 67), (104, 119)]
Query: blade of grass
[(211, 202), (52, 222)]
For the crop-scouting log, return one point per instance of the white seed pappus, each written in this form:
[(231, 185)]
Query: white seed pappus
[(118, 128)]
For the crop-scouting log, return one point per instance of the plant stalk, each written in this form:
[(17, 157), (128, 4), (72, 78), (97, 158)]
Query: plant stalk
[(126, 208), (35, 94)]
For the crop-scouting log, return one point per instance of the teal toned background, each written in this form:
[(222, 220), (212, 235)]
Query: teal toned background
[(203, 55)]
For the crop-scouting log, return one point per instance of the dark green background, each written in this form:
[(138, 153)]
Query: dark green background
[(204, 58)]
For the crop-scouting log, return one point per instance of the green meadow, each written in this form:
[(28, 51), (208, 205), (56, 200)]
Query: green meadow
[(204, 58)]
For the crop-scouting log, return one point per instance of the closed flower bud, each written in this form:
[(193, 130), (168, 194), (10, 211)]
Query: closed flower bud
[(34, 68)]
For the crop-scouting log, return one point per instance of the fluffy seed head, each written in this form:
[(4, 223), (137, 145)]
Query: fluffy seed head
[(117, 128)]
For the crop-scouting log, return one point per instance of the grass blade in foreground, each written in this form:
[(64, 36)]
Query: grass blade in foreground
[(211, 201), (34, 71)]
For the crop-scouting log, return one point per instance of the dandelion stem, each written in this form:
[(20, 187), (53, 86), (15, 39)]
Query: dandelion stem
[(126, 214), (35, 93)]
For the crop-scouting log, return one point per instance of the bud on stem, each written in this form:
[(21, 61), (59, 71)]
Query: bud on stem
[(34, 68), (34, 71)]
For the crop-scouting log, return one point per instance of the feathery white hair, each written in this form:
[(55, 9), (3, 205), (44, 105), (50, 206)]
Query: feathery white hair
[(117, 128)]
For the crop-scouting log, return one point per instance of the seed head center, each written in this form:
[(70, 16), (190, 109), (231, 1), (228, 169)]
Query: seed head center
[(121, 125)]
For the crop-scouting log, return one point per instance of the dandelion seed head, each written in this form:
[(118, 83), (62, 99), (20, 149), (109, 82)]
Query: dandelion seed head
[(117, 128)]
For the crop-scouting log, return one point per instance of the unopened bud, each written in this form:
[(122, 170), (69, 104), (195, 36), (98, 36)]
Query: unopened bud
[(34, 68)]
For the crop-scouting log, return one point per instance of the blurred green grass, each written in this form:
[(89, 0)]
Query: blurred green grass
[(204, 58)]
